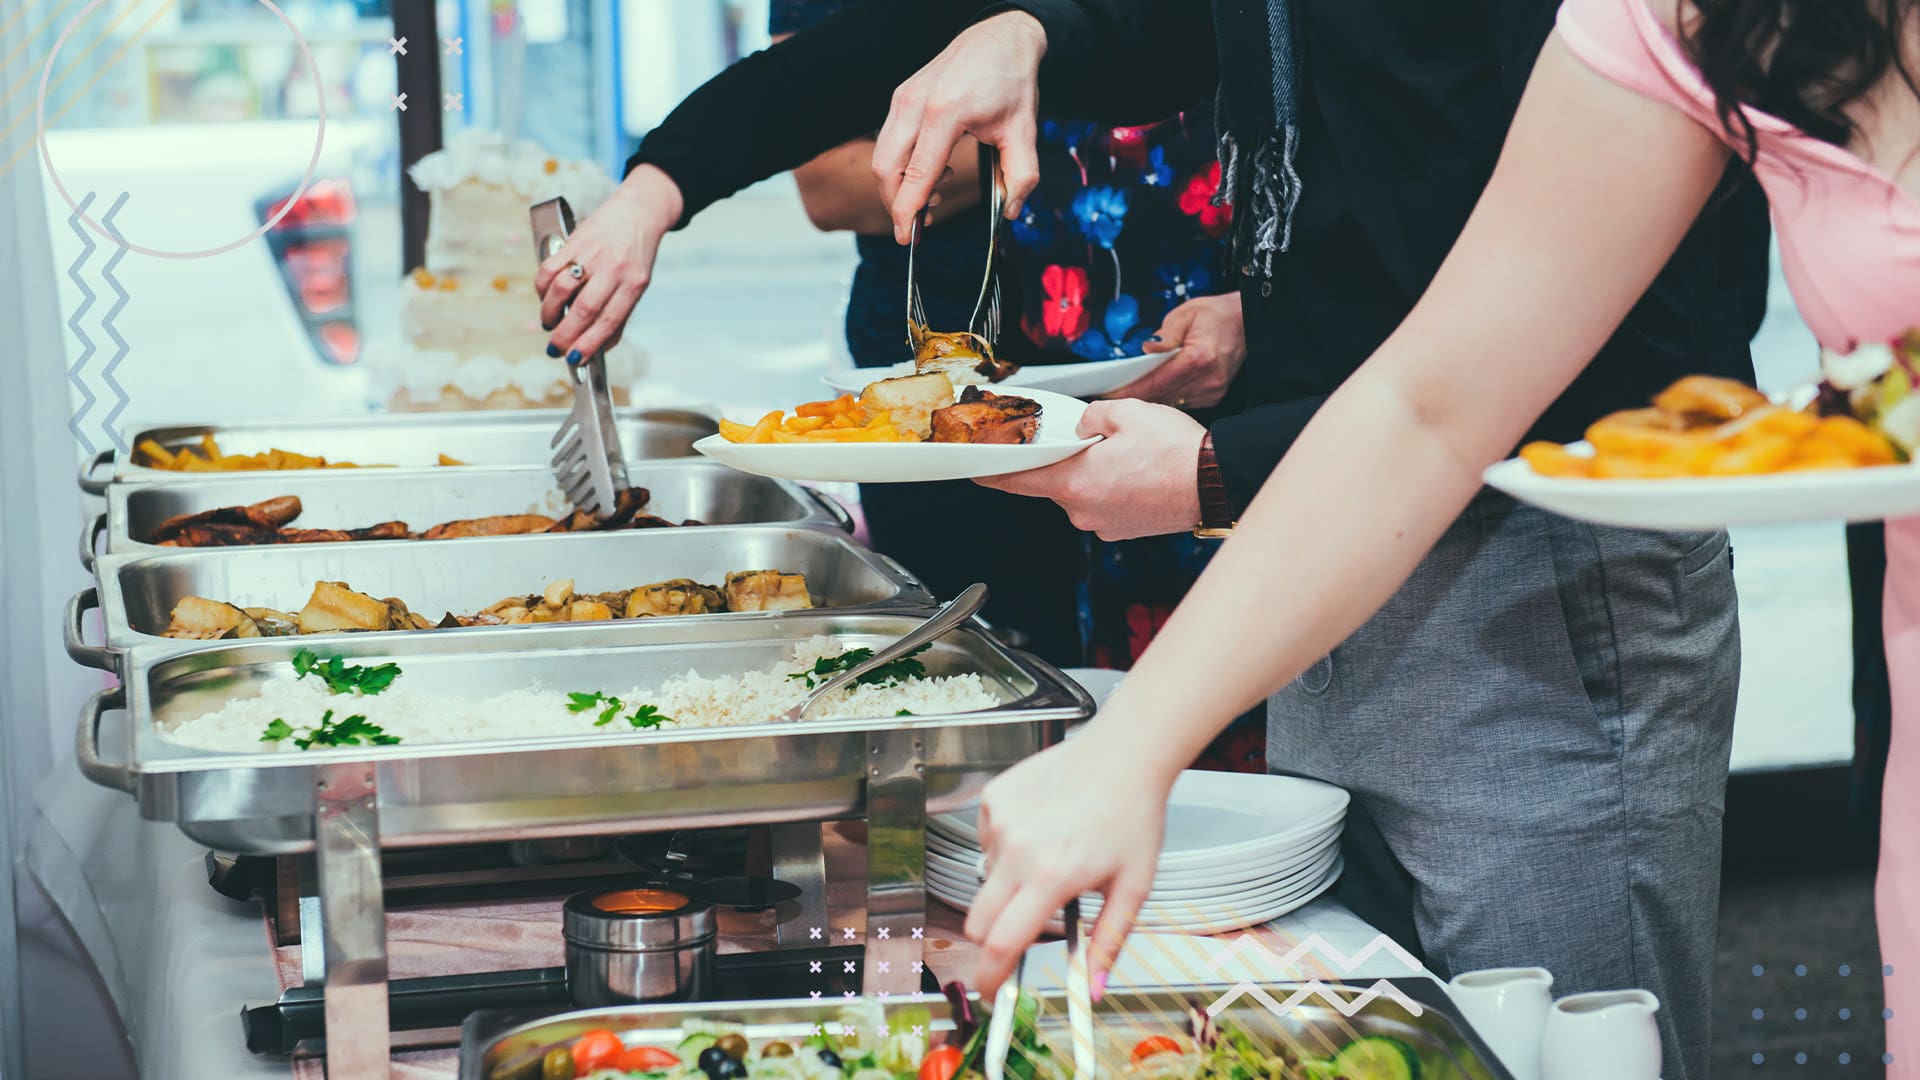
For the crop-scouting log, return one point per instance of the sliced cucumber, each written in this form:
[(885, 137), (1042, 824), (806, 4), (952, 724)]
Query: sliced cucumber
[(693, 1045), (1377, 1057)]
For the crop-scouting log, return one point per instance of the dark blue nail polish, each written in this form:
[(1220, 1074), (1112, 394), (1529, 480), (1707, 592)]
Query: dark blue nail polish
[(548, 327), (573, 357), (553, 350)]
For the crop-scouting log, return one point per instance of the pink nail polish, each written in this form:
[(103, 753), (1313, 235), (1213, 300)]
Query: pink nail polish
[(1099, 986)]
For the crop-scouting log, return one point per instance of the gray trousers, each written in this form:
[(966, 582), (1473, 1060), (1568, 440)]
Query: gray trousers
[(1539, 724)]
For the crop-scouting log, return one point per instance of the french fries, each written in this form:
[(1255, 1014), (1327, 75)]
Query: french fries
[(1680, 437), (210, 458), (842, 420)]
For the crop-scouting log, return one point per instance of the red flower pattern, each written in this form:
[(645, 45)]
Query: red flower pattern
[(1197, 201), (1065, 313)]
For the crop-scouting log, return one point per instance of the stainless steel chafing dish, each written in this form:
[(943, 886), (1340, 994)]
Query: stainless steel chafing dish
[(495, 1046), (406, 441), (692, 488), (137, 592), (345, 805)]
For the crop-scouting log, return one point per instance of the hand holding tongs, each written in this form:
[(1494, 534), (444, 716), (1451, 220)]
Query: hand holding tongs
[(1079, 1007), (985, 322), (587, 461)]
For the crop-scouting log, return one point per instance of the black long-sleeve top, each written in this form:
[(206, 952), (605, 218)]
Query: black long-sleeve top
[(1405, 104)]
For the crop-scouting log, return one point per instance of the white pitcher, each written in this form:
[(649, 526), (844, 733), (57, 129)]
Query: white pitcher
[(1604, 1036), (1508, 1007)]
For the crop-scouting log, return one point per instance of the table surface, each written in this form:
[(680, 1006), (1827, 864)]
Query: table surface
[(181, 961)]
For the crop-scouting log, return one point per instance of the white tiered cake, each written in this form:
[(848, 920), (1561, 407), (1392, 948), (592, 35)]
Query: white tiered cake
[(470, 319)]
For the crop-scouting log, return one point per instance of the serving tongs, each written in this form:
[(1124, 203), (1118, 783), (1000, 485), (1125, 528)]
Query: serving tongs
[(587, 462), (984, 325), (952, 614), (1079, 1007)]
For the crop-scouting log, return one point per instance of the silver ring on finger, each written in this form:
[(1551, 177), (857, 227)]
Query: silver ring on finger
[(980, 868), (579, 272)]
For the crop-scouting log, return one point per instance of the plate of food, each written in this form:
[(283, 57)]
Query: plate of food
[(970, 364), (904, 429), (1712, 453)]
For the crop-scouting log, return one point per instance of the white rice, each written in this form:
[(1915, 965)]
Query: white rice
[(418, 715)]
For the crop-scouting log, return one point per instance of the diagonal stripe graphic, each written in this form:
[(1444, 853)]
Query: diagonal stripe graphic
[(79, 94), (73, 322), (120, 399)]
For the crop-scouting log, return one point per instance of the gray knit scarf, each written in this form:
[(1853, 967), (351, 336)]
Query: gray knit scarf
[(1257, 117)]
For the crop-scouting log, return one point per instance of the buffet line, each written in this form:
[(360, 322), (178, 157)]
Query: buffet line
[(427, 648)]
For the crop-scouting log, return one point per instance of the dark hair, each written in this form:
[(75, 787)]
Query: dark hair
[(1803, 61)]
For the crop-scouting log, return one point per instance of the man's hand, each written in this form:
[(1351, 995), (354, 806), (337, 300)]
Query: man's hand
[(1141, 480), (1212, 341), (615, 247), (986, 83)]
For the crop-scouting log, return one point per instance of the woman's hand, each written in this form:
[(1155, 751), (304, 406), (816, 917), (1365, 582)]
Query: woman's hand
[(615, 247), (986, 83), (1084, 816), (1212, 339)]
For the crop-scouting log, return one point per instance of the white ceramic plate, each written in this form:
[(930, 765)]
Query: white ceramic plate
[(1217, 898), (1713, 502), (1215, 817), (962, 860), (1188, 920), (1089, 379), (889, 463)]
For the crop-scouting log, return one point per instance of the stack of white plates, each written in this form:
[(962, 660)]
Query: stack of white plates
[(1240, 850)]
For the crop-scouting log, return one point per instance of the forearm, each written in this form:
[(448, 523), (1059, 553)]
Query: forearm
[(839, 193), (784, 105)]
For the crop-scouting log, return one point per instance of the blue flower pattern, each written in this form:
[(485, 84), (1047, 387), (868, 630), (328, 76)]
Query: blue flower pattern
[(1034, 226), (1157, 173), (1101, 212), (1184, 281), (1120, 334)]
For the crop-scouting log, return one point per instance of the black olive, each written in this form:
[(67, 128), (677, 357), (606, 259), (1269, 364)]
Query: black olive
[(831, 1060), (710, 1060), (729, 1069)]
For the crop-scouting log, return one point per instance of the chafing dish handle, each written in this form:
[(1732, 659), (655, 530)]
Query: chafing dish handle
[(90, 538), (91, 484), (86, 742), (832, 506), (93, 656), (903, 571), (1080, 695)]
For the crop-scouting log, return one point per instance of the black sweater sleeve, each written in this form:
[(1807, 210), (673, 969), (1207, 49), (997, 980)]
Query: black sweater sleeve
[(782, 106)]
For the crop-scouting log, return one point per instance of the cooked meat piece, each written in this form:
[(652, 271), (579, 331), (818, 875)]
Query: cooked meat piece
[(196, 618), (311, 536), (986, 417), (583, 610), (333, 606), (399, 618), (264, 516), (649, 521), (691, 523), (452, 621), (616, 600), (626, 504), (273, 623), (766, 590), (218, 534), (963, 357), (681, 596), (498, 525), (910, 400), (386, 530)]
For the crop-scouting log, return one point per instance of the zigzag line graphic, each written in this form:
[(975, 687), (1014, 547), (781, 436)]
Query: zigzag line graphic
[(120, 399), (1312, 945), (1313, 989), (73, 322)]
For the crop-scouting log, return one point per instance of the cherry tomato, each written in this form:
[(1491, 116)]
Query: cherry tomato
[(1158, 1044), (940, 1063), (595, 1050), (645, 1059)]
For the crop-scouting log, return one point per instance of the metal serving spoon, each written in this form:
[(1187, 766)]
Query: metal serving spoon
[(956, 611)]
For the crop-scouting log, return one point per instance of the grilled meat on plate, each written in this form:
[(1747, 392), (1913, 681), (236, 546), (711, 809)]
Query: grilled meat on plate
[(982, 416)]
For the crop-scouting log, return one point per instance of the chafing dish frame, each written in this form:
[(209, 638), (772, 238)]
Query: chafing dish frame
[(682, 488), (1415, 1010), (347, 804), (475, 437)]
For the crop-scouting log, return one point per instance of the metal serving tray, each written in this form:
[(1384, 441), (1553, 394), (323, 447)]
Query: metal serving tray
[(495, 1046), (137, 592), (692, 488), (253, 802), (406, 441)]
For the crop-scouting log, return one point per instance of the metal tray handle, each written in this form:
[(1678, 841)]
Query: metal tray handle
[(1081, 697), (86, 742), (832, 506), (93, 656), (90, 483), (90, 539)]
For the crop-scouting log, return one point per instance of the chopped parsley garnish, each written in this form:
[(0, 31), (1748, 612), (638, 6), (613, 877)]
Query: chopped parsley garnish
[(342, 677), (353, 731), (904, 712), (643, 716), (893, 671)]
